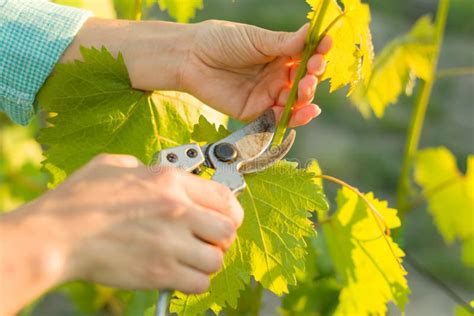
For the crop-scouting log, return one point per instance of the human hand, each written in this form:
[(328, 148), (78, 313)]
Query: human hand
[(242, 70), (128, 227), (238, 69)]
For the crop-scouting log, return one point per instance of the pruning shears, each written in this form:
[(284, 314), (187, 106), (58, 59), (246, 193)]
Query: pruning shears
[(245, 151)]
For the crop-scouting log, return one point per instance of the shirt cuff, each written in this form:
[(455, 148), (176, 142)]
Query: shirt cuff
[(33, 36)]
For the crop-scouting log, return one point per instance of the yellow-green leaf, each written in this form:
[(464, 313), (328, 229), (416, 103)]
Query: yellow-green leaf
[(350, 59), (367, 262), (400, 62), (450, 196)]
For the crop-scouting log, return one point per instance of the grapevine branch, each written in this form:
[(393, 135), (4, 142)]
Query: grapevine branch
[(455, 72), (419, 112), (373, 210)]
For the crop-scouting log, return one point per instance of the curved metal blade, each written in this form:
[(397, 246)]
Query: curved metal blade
[(254, 138), (271, 156), (250, 142)]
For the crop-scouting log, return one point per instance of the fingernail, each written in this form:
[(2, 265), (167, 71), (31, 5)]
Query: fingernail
[(318, 110)]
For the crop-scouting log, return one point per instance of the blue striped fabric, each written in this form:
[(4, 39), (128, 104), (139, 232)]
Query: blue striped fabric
[(33, 36)]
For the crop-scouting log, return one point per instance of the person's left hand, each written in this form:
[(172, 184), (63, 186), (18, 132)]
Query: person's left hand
[(242, 70)]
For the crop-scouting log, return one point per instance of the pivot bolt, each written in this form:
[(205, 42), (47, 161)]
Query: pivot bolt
[(225, 152), (172, 157), (192, 153)]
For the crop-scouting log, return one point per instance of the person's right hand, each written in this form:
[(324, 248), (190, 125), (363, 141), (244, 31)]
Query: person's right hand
[(129, 227)]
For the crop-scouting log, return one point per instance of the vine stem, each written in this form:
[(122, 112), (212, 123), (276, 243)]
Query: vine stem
[(455, 72), (375, 213), (419, 112), (310, 46)]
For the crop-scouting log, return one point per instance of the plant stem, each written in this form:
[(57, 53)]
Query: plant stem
[(312, 42), (455, 72), (419, 113), (137, 10)]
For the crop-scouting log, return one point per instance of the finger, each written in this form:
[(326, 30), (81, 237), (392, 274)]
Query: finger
[(213, 228), (188, 280), (304, 115), (316, 65), (324, 45), (215, 196), (283, 97), (307, 88), (202, 257)]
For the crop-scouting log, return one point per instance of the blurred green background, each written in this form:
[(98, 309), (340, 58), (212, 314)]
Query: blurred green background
[(365, 153)]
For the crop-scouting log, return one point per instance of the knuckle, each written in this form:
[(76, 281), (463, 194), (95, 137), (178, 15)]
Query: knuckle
[(216, 259), (281, 37), (225, 194), (227, 229), (101, 158)]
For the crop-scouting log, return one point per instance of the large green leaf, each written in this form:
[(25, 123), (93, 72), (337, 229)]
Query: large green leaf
[(96, 111), (367, 262), (401, 61), (450, 196), (270, 245)]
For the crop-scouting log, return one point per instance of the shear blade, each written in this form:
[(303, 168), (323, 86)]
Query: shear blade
[(270, 156)]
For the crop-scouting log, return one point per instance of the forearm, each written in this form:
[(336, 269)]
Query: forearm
[(154, 51), (31, 257)]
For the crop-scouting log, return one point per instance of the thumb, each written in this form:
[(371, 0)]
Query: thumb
[(273, 43)]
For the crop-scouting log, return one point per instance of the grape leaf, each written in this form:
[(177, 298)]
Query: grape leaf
[(450, 196), (365, 260), (181, 10), (395, 69), (350, 59), (270, 245), (96, 111)]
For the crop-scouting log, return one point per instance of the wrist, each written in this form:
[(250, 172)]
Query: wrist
[(155, 52), (48, 235), (33, 254)]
